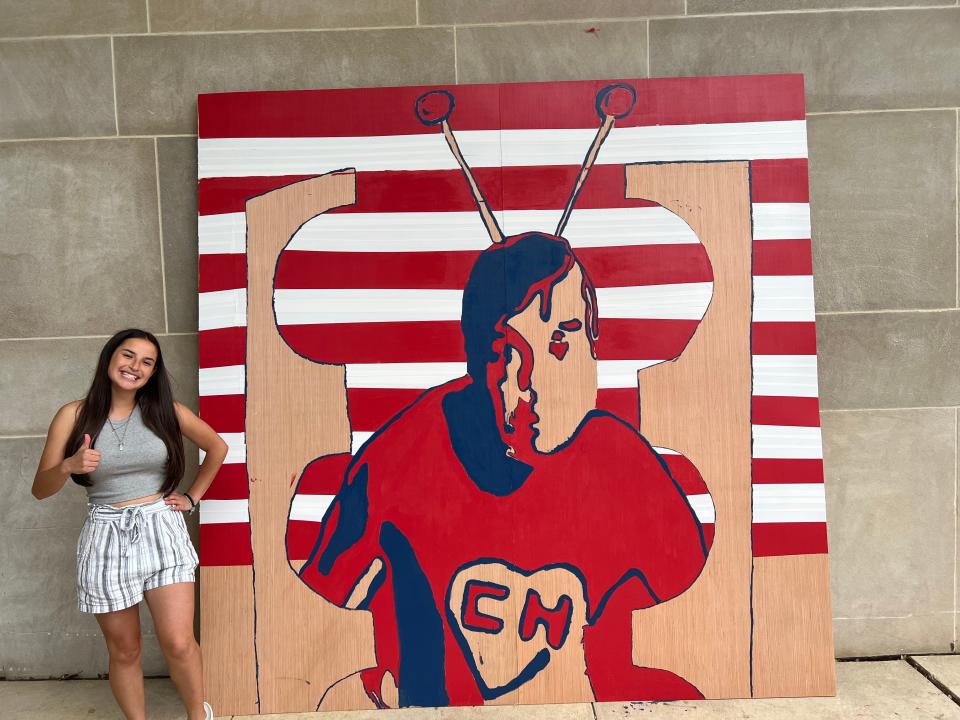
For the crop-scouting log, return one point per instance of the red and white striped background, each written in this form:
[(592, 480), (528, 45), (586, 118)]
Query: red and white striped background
[(376, 286)]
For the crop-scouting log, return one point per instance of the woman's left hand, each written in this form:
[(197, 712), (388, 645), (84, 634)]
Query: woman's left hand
[(176, 501)]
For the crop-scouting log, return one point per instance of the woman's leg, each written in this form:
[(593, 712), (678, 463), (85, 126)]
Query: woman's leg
[(121, 629), (172, 610)]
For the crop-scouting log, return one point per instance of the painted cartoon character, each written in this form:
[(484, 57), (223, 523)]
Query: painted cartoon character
[(558, 520)]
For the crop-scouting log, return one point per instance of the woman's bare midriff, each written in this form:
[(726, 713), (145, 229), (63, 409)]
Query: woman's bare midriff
[(137, 501)]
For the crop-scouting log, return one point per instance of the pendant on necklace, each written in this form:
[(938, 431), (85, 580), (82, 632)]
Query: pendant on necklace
[(121, 446)]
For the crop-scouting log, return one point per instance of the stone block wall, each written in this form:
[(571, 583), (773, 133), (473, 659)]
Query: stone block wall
[(98, 232)]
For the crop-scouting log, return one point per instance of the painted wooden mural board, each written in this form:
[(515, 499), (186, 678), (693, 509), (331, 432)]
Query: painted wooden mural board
[(519, 383)]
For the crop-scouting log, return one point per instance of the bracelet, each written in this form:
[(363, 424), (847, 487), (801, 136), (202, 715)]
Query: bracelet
[(193, 503)]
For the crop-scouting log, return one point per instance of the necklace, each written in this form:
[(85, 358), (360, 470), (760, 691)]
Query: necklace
[(126, 424)]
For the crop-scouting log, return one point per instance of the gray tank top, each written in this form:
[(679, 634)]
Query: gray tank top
[(136, 471)]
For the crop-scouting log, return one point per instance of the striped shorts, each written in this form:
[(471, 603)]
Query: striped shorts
[(123, 552)]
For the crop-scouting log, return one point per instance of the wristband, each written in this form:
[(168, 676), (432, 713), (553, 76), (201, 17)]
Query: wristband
[(193, 503)]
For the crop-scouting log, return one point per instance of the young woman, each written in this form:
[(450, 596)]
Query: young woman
[(124, 443)]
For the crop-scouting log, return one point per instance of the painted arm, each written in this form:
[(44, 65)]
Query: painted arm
[(344, 566)]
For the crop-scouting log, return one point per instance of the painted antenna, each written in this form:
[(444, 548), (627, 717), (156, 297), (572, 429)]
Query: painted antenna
[(613, 102), (435, 108)]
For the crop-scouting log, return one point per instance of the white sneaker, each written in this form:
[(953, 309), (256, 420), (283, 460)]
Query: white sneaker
[(208, 711)]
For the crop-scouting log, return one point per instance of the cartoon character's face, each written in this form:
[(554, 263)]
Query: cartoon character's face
[(563, 381)]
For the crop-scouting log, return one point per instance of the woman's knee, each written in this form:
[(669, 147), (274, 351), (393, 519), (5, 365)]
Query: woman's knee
[(125, 651), (178, 647)]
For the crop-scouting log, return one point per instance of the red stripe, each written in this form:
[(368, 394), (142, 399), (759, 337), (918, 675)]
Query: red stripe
[(301, 537), (229, 484), (441, 340), (222, 347), (625, 339), (222, 272), (779, 181), (784, 338), (438, 341), (449, 270), (782, 257), (224, 413), (324, 476), (390, 111), (225, 544), (686, 474), (370, 408), (773, 539), (770, 471), (622, 402), (796, 411), (508, 188), (525, 188)]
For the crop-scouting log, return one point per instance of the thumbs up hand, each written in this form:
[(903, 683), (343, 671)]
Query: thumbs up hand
[(84, 460)]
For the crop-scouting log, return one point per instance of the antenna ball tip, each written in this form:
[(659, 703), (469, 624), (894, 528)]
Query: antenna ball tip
[(616, 100), (434, 107)]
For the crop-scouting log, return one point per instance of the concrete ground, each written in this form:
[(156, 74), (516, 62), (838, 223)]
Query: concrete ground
[(914, 688)]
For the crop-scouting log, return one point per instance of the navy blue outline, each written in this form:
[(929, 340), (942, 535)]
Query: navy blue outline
[(441, 118), (466, 596), (603, 95), (541, 622)]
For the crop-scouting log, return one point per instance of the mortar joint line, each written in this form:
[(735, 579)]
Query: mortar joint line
[(932, 679), (649, 69), (113, 71), (250, 31), (416, 11), (456, 60), (148, 14), (163, 271)]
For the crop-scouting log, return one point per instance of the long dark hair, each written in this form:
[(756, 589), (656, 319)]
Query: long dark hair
[(155, 400)]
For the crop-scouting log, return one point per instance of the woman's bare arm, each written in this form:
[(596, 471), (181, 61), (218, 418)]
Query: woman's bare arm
[(207, 439), (54, 467)]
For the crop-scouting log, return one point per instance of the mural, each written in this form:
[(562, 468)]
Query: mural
[(519, 409)]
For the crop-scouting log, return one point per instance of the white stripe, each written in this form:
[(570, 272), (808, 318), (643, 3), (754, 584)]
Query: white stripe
[(786, 375), (438, 231), (683, 301), (224, 511), (665, 451), (781, 221), (311, 508), (408, 376), (702, 507), (782, 298), (357, 439), (222, 234), (222, 309), (463, 231), (236, 449), (226, 380), (800, 502), (787, 442), (239, 157), (679, 301), (789, 503), (420, 376)]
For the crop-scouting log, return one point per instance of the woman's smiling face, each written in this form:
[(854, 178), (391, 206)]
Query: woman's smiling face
[(132, 364)]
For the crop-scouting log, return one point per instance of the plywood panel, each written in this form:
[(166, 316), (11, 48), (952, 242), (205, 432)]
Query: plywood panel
[(296, 410), (699, 405), (226, 636), (793, 632)]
